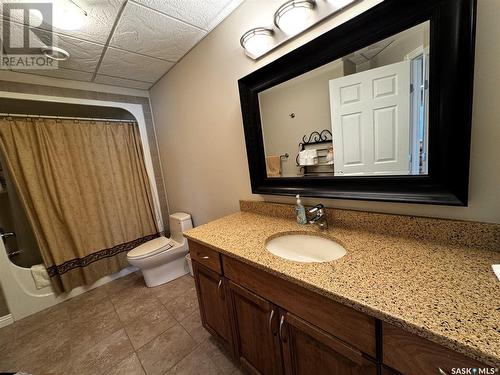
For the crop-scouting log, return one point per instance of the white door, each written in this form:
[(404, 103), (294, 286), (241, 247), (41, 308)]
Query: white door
[(370, 114)]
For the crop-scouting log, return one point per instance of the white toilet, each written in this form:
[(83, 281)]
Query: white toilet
[(163, 259)]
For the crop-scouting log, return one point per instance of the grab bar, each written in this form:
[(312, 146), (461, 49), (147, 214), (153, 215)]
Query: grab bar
[(14, 253), (5, 236)]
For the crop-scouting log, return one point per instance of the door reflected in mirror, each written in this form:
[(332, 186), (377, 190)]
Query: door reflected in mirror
[(365, 114)]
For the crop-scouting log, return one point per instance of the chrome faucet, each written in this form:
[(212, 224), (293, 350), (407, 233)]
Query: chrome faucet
[(317, 215)]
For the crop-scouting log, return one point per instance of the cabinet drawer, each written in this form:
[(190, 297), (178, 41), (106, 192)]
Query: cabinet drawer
[(351, 326), (205, 256), (413, 355), (309, 350)]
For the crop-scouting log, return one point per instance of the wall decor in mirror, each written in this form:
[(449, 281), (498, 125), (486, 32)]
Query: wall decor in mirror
[(378, 108)]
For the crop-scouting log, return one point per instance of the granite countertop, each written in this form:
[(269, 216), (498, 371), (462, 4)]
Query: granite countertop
[(446, 293)]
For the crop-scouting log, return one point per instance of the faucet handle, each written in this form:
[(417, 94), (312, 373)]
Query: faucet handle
[(318, 216), (318, 207)]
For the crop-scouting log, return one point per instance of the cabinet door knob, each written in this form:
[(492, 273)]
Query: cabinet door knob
[(205, 257), (282, 322)]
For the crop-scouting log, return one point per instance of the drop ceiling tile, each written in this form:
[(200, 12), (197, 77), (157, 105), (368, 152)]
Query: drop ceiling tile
[(196, 12), (123, 64), (101, 15), (357, 58), (374, 49), (60, 73), (159, 35), (115, 81), (83, 55)]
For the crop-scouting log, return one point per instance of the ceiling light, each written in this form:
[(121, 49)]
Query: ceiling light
[(295, 16), (55, 53), (68, 15), (257, 41)]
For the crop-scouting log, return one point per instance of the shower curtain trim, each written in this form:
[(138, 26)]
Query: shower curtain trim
[(60, 269)]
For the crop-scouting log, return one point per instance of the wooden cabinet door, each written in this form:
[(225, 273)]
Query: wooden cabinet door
[(413, 355), (214, 311), (255, 327), (309, 350)]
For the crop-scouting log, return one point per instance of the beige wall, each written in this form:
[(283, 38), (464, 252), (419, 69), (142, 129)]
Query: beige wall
[(198, 118)]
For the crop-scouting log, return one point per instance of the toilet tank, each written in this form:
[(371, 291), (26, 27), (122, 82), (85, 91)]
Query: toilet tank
[(179, 222)]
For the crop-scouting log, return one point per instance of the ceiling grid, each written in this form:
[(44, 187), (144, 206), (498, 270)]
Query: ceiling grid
[(132, 43)]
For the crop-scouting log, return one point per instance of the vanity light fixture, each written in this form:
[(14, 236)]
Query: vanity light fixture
[(257, 41), (55, 53), (295, 16), (290, 20)]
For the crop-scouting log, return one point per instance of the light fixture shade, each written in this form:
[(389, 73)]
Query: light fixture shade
[(66, 15), (291, 19), (55, 53), (257, 41), (295, 16)]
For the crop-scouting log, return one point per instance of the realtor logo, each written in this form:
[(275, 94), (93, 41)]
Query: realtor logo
[(27, 36)]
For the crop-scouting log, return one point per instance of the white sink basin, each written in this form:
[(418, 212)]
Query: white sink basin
[(305, 248)]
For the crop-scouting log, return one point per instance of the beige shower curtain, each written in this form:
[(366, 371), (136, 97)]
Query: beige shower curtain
[(85, 190)]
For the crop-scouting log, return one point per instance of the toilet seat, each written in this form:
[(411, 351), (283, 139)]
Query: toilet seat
[(151, 248)]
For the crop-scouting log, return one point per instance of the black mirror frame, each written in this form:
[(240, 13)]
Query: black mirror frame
[(451, 75)]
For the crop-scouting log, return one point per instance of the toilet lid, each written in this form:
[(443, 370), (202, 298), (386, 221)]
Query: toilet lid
[(151, 247)]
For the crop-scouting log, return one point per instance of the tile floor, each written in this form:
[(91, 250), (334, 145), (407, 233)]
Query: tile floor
[(120, 328)]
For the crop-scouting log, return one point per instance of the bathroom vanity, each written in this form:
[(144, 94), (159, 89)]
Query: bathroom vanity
[(377, 310)]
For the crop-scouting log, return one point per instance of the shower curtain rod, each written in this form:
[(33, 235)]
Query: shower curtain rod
[(64, 117)]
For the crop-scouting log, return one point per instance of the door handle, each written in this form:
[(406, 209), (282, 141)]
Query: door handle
[(219, 290), (282, 322), (270, 322), (200, 254)]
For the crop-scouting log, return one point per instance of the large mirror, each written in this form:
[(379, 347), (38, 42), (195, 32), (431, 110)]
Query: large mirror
[(378, 108), (364, 114)]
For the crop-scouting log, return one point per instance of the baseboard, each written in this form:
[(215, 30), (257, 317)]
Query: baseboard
[(6, 320)]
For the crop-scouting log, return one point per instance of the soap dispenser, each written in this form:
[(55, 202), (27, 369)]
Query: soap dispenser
[(301, 211)]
